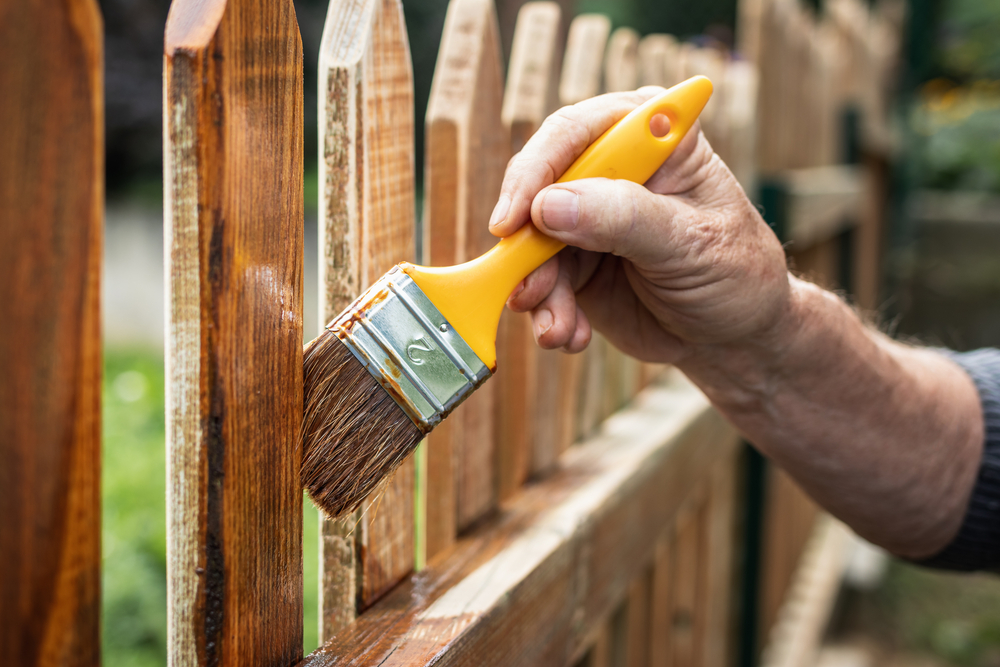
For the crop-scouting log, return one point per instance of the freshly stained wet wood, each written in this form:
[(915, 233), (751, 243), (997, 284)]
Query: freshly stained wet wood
[(467, 152), (233, 225), (367, 225), (533, 586), (584, 58), (621, 67), (51, 198)]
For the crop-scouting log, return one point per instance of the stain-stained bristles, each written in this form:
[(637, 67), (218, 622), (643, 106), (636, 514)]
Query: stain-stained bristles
[(354, 435)]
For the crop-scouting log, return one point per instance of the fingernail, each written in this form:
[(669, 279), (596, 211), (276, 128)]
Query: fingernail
[(517, 290), (543, 322), (560, 210), (500, 211)]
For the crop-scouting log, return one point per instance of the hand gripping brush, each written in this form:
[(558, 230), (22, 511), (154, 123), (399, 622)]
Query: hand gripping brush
[(421, 339)]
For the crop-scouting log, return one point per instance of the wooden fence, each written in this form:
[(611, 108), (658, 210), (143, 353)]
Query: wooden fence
[(582, 509)]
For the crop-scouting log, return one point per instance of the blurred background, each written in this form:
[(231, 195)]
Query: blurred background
[(941, 286)]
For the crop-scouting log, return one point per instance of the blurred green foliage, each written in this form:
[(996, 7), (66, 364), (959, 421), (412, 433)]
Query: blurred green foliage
[(134, 516), (956, 136), (953, 618), (970, 38)]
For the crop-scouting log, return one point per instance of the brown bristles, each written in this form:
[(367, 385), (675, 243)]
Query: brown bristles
[(353, 434)]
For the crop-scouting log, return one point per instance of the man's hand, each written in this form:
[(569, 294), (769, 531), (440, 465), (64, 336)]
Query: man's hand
[(683, 259), (683, 270)]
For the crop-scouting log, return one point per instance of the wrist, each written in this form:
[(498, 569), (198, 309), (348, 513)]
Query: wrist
[(742, 375)]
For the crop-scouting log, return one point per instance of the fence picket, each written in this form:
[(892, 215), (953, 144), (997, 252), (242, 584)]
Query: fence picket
[(233, 117), (661, 601), (584, 58), (52, 196), (527, 406), (467, 152), (720, 539), (637, 616), (621, 66), (367, 225), (657, 55)]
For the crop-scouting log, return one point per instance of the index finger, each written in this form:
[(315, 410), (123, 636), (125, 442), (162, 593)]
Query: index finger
[(552, 149)]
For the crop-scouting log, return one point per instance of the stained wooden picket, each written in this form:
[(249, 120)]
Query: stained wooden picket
[(234, 230), (51, 228)]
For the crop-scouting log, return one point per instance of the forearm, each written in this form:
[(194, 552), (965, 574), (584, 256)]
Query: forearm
[(886, 437)]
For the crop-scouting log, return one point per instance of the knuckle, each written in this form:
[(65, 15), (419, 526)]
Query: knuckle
[(619, 217)]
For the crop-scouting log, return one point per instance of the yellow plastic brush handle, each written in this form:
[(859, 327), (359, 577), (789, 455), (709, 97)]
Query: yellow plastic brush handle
[(471, 296)]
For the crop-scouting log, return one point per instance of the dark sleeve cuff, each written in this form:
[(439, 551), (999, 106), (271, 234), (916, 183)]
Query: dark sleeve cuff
[(977, 544)]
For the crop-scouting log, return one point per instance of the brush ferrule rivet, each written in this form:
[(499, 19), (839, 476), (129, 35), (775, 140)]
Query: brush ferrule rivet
[(395, 331)]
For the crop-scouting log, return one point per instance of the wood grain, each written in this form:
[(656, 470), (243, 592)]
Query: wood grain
[(52, 196), (537, 409), (531, 93), (529, 96), (584, 58), (367, 225), (467, 152), (233, 225), (621, 66), (582, 79), (533, 586)]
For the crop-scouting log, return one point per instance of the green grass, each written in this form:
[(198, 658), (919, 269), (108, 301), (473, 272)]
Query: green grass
[(134, 516), (134, 509), (951, 618)]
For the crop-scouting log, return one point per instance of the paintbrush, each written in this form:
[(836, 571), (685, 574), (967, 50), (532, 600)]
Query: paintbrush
[(421, 339)]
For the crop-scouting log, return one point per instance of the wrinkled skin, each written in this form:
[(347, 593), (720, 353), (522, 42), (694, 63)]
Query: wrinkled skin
[(684, 259), (683, 270)]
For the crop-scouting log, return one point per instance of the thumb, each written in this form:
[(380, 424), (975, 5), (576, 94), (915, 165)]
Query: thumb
[(614, 216)]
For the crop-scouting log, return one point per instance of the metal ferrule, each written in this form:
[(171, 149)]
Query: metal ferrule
[(410, 349)]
